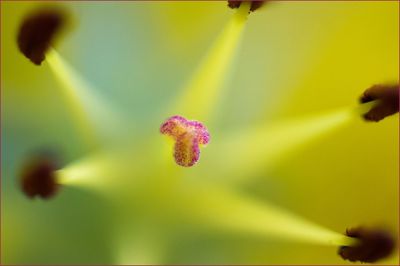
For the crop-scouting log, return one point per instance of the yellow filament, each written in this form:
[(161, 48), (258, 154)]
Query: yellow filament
[(234, 212), (92, 114), (201, 93), (248, 150), (70, 86)]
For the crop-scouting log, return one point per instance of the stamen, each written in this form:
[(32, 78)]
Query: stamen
[(253, 6), (188, 136), (388, 97), (94, 117), (39, 178), (203, 91), (374, 244), (109, 170), (95, 171), (38, 31), (246, 150), (240, 214)]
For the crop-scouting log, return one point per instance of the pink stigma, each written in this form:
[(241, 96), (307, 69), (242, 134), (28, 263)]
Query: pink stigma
[(188, 136)]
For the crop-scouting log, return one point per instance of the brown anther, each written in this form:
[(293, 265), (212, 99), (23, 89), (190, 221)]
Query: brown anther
[(37, 32), (373, 244), (38, 177), (253, 6), (388, 97)]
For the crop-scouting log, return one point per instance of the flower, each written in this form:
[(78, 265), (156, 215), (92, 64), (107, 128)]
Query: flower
[(149, 210)]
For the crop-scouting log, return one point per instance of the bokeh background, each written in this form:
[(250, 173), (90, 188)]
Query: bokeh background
[(296, 58)]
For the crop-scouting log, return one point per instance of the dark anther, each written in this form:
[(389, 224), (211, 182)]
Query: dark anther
[(38, 177), (37, 32), (253, 6), (388, 97), (373, 245)]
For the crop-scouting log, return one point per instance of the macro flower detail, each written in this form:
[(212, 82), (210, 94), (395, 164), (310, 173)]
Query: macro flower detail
[(264, 193), (189, 135)]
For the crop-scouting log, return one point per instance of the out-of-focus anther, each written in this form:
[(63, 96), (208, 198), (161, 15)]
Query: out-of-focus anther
[(388, 101), (38, 177), (373, 244), (254, 5), (37, 32)]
